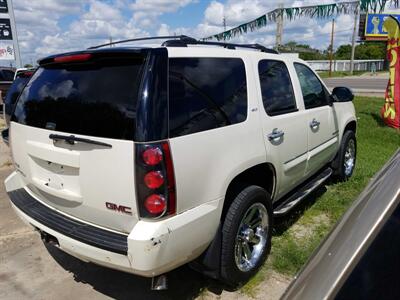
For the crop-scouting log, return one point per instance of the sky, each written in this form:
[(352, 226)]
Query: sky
[(55, 26)]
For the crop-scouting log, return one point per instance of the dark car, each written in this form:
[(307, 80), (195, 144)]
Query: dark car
[(360, 257), (6, 79), (21, 78)]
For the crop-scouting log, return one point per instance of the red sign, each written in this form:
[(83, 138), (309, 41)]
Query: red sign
[(391, 110)]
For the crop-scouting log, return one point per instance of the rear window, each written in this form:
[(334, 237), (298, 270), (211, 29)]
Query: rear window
[(206, 93), (96, 98)]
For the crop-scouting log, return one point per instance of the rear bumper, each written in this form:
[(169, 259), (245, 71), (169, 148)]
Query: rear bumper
[(151, 248)]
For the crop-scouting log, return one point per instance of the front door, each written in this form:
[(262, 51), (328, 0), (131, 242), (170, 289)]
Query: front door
[(322, 128)]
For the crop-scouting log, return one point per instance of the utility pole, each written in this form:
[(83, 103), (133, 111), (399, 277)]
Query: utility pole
[(279, 28), (353, 41), (331, 48), (224, 23), (15, 34)]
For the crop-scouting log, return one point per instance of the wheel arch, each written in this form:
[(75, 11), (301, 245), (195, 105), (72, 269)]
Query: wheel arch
[(350, 125), (263, 175)]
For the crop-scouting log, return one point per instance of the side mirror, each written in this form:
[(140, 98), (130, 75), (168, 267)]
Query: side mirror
[(342, 94)]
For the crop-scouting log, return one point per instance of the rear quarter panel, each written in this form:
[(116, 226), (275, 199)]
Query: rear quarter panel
[(206, 162)]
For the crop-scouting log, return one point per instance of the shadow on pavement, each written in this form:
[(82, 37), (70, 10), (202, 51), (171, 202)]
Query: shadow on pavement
[(183, 283)]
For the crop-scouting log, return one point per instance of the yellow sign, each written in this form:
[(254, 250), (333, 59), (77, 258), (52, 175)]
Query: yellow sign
[(391, 110)]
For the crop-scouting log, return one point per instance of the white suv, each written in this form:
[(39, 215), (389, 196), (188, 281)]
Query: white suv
[(143, 159)]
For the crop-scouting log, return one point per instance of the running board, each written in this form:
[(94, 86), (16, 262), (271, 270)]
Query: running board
[(303, 192)]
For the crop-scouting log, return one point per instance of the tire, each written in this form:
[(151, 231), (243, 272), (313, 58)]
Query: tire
[(252, 200), (341, 167)]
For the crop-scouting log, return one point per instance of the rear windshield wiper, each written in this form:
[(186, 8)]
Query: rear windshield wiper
[(71, 139)]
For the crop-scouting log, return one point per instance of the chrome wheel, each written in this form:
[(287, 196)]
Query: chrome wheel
[(251, 238), (349, 158)]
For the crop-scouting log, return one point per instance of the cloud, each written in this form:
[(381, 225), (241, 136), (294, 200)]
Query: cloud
[(145, 12), (55, 26)]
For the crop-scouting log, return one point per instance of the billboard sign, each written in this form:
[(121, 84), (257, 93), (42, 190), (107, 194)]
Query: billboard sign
[(374, 25), (5, 30), (3, 7), (7, 51)]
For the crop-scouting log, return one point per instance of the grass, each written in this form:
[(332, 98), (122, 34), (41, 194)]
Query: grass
[(297, 236)]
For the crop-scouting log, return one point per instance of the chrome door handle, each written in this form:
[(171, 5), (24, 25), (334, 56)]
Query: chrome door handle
[(275, 134), (314, 123)]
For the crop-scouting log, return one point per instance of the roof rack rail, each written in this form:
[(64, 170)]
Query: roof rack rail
[(221, 44), (184, 40), (179, 37)]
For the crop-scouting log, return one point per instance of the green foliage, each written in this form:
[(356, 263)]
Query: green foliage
[(28, 66), (305, 51), (370, 50)]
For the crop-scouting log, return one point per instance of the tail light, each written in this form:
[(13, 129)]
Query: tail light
[(155, 180), (73, 58)]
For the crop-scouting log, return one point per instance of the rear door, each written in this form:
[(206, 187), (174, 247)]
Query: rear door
[(284, 128), (322, 129), (93, 98)]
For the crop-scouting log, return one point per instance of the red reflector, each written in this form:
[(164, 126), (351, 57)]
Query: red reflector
[(153, 179), (73, 58), (25, 74), (155, 204), (171, 178), (152, 156)]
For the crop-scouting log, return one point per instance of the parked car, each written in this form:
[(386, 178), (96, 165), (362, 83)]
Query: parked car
[(21, 78), (360, 257), (6, 79), (143, 159)]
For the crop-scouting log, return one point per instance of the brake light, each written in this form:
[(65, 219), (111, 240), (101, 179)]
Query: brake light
[(155, 180), (155, 204), (73, 58), (152, 156)]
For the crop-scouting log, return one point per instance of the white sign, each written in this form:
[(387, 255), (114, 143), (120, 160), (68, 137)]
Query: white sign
[(7, 51)]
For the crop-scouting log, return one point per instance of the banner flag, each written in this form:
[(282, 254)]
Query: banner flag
[(312, 11), (391, 109)]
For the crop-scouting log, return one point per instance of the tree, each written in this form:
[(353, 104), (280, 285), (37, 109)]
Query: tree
[(28, 66), (305, 51), (343, 52), (369, 50)]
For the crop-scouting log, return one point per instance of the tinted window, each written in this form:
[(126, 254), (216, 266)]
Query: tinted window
[(8, 75), (276, 87), (206, 93), (376, 275), (97, 98), (314, 94)]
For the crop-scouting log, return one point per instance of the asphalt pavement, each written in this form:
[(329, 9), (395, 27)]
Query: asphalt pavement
[(358, 83), (361, 85)]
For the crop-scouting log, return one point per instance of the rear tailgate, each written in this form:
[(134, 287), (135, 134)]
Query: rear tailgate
[(94, 100)]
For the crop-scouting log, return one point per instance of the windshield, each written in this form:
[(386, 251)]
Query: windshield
[(96, 98)]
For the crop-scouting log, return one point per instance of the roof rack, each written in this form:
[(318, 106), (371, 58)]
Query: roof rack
[(180, 37), (184, 41)]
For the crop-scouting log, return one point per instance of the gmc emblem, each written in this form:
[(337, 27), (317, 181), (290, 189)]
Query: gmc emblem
[(119, 208)]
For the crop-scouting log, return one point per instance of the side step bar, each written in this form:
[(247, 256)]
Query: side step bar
[(299, 195)]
